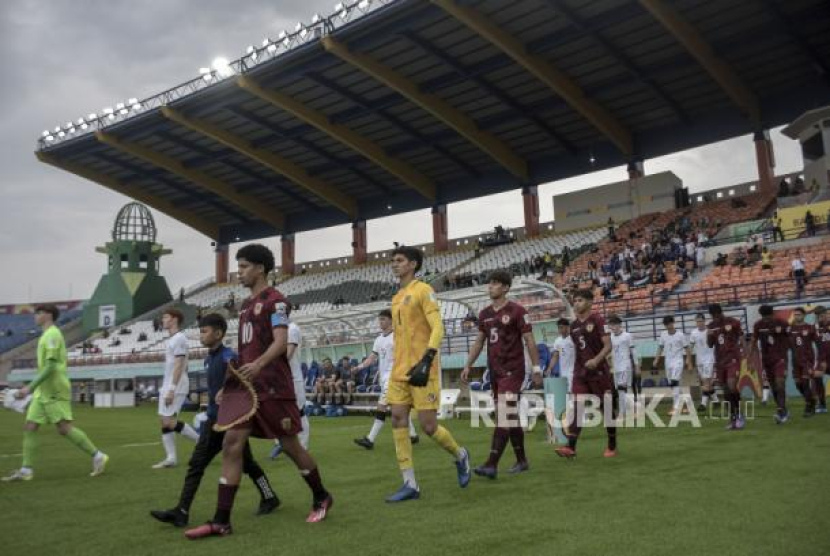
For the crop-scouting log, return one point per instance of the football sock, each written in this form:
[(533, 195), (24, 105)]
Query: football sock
[(260, 479), (409, 478), (818, 390), (705, 399), (675, 394), (376, 426), (412, 432), (765, 394), (168, 440), (735, 405), (304, 434), (497, 446), (186, 430), (315, 483), (622, 397), (403, 448), (444, 439), (517, 440), (77, 437), (224, 502), (806, 391), (612, 437), (29, 447)]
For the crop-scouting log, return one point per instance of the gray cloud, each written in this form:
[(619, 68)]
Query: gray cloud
[(65, 58)]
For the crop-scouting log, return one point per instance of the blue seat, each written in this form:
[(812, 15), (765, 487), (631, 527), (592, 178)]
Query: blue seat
[(483, 384), (647, 383), (664, 382)]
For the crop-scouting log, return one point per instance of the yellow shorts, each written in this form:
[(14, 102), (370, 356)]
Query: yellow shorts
[(49, 412), (420, 399)]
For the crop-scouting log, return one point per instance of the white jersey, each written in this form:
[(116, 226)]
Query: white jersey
[(674, 347), (703, 353), (295, 337), (622, 352), (384, 347), (176, 347), (567, 355)]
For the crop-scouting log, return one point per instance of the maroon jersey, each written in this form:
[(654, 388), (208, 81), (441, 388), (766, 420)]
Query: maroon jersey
[(802, 338), (823, 332), (725, 336), (587, 337), (773, 334), (504, 329), (257, 320)]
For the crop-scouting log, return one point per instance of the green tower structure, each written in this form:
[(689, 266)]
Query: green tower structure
[(132, 285)]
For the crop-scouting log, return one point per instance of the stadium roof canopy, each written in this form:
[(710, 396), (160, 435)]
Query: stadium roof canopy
[(389, 106)]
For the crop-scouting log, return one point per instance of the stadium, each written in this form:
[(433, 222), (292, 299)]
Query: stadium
[(374, 110)]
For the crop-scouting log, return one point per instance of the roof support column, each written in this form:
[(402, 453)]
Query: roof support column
[(359, 242), (530, 196), (440, 230), (635, 172), (222, 263), (287, 266), (765, 157)]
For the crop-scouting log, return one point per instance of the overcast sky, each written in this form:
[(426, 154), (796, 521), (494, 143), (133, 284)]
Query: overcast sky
[(62, 59)]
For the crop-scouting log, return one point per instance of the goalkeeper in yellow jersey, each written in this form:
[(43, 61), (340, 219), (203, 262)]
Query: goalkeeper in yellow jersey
[(414, 384)]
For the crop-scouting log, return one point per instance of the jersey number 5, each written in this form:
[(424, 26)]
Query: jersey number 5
[(247, 333), (582, 344), (494, 335)]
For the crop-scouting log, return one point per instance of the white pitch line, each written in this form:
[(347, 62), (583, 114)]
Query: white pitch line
[(139, 445), (10, 455)]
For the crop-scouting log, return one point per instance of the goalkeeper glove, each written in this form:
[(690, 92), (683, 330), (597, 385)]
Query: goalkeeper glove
[(419, 374)]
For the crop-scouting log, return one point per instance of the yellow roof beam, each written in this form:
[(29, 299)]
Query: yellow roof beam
[(262, 211), (547, 73), (371, 150), (696, 45), (444, 111), (210, 229), (275, 162)]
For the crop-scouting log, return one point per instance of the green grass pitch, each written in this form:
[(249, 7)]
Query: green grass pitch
[(670, 492)]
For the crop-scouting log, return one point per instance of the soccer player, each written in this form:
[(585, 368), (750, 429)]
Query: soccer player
[(675, 346), (505, 326), (803, 338), (295, 339), (591, 373), (773, 335), (823, 331), (51, 399), (212, 329), (263, 343), (704, 361), (382, 354), (724, 334), (624, 357), (174, 389), (564, 352), (414, 383)]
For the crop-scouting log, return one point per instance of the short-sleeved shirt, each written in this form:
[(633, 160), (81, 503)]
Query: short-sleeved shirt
[(384, 348), (411, 307), (216, 366), (176, 347), (773, 335), (503, 330), (725, 335), (704, 355), (674, 346), (51, 346), (295, 337), (802, 338), (258, 318), (331, 373), (622, 352), (564, 346), (587, 337), (823, 332)]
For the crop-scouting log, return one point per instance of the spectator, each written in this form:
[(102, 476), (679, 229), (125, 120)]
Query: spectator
[(700, 256), (721, 260), (777, 232), (740, 258), (810, 224), (766, 259), (142, 337), (612, 232), (798, 186), (324, 385), (798, 273), (783, 188)]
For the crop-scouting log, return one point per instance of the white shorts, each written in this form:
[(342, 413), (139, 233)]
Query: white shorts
[(674, 370), (706, 369), (299, 393), (622, 378), (384, 388), (172, 409)]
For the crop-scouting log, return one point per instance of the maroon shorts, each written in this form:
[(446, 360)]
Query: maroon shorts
[(801, 371), (507, 385), (274, 419), (597, 385), (775, 369), (728, 369)]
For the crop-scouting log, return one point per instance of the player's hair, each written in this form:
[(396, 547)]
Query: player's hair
[(411, 254), (176, 314), (502, 277), (715, 310), (584, 294), (49, 308), (819, 310), (256, 253), (765, 310), (700, 316), (215, 321), (800, 310), (614, 319), (563, 322), (385, 313), (668, 319)]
